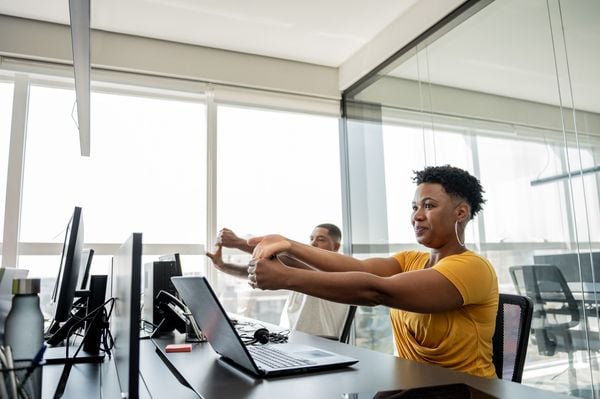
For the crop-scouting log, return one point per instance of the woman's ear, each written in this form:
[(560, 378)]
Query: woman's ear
[(463, 212)]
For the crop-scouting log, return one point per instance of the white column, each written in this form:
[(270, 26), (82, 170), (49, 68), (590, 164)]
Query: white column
[(14, 180)]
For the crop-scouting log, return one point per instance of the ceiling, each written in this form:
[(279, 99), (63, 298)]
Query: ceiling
[(508, 49), (322, 32), (479, 54)]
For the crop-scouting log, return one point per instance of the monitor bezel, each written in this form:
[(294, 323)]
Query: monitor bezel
[(126, 285), (66, 282)]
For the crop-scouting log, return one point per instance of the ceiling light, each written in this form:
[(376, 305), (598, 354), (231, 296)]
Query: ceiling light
[(79, 11)]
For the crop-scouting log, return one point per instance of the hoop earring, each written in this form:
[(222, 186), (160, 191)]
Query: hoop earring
[(462, 244)]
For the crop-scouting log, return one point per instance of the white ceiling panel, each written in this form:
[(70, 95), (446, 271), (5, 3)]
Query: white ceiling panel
[(323, 32)]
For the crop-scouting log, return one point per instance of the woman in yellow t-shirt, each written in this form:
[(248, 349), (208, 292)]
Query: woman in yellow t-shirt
[(443, 302)]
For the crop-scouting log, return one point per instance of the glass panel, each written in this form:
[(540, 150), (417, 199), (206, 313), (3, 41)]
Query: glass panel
[(6, 98), (518, 108), (278, 172), (146, 172)]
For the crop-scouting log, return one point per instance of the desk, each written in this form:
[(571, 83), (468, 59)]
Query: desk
[(89, 381), (86, 380), (590, 296), (588, 287), (212, 378)]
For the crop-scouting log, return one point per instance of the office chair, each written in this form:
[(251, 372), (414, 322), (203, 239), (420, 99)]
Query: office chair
[(513, 322), (556, 314), (344, 336), (347, 329)]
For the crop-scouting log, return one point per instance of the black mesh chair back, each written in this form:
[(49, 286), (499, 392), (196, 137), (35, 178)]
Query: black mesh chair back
[(345, 335), (513, 322)]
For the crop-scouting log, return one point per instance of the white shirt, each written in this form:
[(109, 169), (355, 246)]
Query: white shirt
[(313, 315)]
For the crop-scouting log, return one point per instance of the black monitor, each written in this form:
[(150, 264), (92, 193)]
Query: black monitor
[(84, 268), (70, 263), (125, 324), (173, 258), (174, 272)]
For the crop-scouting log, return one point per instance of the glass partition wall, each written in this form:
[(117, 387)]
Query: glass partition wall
[(507, 90)]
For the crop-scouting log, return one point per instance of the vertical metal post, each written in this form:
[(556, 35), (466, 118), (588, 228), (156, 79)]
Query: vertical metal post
[(14, 178)]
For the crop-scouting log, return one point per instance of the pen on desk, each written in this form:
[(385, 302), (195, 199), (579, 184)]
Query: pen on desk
[(37, 359)]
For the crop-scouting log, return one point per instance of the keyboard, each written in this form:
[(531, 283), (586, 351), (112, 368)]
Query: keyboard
[(274, 358)]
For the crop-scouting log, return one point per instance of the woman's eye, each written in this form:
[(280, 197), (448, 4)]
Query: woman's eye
[(428, 206)]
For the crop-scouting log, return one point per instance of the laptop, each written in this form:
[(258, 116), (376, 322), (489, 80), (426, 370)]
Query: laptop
[(221, 334)]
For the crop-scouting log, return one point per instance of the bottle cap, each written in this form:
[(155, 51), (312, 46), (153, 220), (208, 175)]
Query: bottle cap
[(24, 286)]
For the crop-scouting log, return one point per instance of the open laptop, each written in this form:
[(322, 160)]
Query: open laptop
[(212, 319)]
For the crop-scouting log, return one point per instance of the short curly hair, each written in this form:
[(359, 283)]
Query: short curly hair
[(455, 181)]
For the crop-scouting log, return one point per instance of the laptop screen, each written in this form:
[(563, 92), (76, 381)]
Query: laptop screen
[(212, 319)]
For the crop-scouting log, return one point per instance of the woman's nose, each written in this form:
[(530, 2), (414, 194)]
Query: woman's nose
[(417, 215)]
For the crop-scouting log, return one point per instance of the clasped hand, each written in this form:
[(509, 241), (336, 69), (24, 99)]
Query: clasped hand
[(266, 270)]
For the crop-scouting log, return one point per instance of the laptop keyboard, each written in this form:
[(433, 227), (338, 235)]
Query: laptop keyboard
[(274, 358)]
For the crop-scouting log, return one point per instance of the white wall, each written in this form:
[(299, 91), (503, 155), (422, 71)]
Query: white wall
[(36, 40)]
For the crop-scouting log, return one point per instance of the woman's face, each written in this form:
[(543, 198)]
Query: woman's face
[(433, 216)]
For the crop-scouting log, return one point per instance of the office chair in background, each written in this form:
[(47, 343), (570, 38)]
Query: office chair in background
[(513, 323), (556, 318)]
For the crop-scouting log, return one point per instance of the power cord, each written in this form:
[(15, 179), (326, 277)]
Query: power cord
[(106, 339)]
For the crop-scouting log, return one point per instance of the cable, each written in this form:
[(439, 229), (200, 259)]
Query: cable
[(260, 335), (106, 342)]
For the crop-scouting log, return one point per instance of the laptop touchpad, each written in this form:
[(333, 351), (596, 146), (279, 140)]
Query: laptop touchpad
[(312, 354)]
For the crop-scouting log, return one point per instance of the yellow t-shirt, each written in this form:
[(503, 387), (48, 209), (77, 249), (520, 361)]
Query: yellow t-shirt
[(459, 339)]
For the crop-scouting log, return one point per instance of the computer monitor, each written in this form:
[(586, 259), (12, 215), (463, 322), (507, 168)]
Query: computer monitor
[(68, 273), (84, 268), (125, 324), (176, 271), (173, 258)]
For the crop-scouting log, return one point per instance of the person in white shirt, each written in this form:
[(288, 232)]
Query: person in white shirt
[(301, 312)]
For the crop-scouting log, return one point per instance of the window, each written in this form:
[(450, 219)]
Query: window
[(277, 172), (521, 212), (404, 152), (146, 172), (6, 96)]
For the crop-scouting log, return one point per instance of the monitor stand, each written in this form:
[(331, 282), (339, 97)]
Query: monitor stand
[(88, 302)]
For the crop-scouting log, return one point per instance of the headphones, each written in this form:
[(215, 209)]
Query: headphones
[(264, 336), (261, 336)]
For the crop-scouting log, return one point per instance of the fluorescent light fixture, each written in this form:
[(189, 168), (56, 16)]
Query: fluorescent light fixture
[(563, 176), (79, 11)]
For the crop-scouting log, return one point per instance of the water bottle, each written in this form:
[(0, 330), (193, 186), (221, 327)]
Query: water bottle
[(24, 332)]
